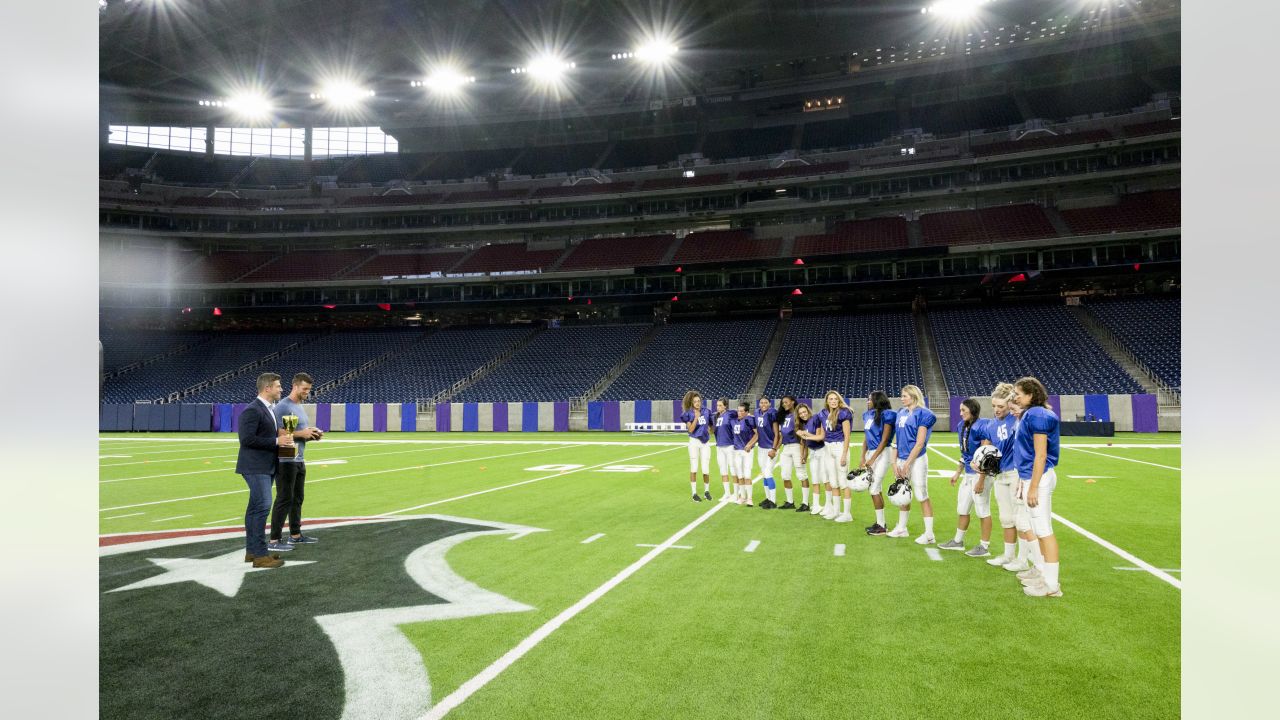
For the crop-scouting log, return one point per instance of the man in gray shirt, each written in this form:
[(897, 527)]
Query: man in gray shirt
[(293, 471)]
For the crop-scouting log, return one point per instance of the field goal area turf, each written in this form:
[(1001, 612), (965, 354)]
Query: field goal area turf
[(526, 575)]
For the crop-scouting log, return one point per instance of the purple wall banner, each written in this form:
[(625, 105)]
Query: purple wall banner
[(379, 417), (236, 409), (956, 400), (442, 417), (324, 416), (561, 417), (1146, 414), (1055, 404), (499, 417), (612, 418)]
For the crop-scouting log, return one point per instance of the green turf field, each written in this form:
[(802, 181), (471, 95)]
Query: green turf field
[(697, 627)]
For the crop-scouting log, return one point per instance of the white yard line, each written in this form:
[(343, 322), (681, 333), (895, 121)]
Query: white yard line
[(526, 482), (839, 551), (318, 480), (117, 517), (223, 469), (676, 547), (593, 538), (1117, 457), (751, 546), (1168, 570), (1118, 551), (469, 688), (226, 520), (175, 517)]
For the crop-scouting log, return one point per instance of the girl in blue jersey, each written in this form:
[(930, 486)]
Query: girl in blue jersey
[(915, 425), (1000, 433), (837, 426), (767, 426), (972, 429), (878, 423), (809, 429), (745, 437), (722, 420), (1037, 441), (787, 454), (697, 421)]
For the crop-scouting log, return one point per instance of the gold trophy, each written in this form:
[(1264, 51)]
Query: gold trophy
[(288, 450)]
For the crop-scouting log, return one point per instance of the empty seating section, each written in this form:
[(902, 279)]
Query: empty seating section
[(1158, 127), (794, 170), (277, 172), (392, 199), (224, 352), (645, 152), (1150, 328), (125, 347), (299, 266), (196, 170), (462, 196), (589, 187), (465, 164), (997, 111), (1040, 142), (980, 347), (218, 201), (682, 182), (712, 245), (601, 253), (848, 132), (508, 258), (223, 267), (392, 264), (724, 144), (558, 158), (373, 169), (423, 369), (995, 224), (1139, 211), (851, 236), (114, 159), (713, 357), (854, 354), (325, 359), (559, 364)]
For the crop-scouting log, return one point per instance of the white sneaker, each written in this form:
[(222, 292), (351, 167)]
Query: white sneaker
[(815, 509), (1001, 560), (1029, 574), (727, 498), (830, 512), (1031, 581), (897, 532), (748, 503), (926, 539), (1016, 566), (844, 518), (1042, 590)]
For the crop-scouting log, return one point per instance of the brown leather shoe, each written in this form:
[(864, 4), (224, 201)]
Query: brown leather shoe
[(267, 561), (248, 557)]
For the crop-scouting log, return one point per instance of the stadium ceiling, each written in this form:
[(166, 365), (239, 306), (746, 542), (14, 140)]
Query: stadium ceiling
[(166, 55)]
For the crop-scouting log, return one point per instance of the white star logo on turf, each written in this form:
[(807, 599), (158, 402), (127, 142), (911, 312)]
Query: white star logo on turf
[(224, 573)]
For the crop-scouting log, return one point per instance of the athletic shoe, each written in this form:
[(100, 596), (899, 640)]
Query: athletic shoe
[(816, 510), (829, 512), (788, 505), (844, 518), (1031, 574), (926, 539), (302, 540), (767, 505), (876, 529), (748, 503), (1000, 560), (897, 532), (728, 498), (951, 545), (804, 507), (697, 499), (1042, 590), (1032, 581), (978, 551), (1017, 566), (278, 546)]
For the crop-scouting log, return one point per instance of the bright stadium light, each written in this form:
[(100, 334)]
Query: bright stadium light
[(546, 68), (655, 52), (342, 94), (954, 9), (249, 104), (445, 81)]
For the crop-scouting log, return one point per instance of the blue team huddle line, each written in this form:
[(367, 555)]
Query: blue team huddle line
[(1013, 454)]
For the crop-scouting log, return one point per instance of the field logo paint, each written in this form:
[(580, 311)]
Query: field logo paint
[(554, 468), (625, 468)]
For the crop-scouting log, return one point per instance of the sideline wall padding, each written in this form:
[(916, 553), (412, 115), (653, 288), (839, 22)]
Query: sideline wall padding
[(379, 418), (364, 414), (226, 417), (338, 417), (142, 417), (443, 416), (643, 411), (956, 400), (1097, 406), (1121, 412), (626, 412), (408, 417), (662, 411), (236, 409), (324, 416), (529, 417), (1146, 414), (1055, 404), (595, 415), (484, 413), (546, 417), (500, 417), (470, 417), (455, 417), (172, 420), (560, 416), (1072, 406), (611, 417)]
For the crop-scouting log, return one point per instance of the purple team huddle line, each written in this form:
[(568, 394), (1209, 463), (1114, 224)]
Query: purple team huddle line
[(1016, 453)]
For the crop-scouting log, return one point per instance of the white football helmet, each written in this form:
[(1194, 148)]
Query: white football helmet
[(860, 480), (900, 493), (987, 458)]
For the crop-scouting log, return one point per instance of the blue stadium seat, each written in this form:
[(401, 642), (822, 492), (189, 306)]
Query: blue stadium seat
[(559, 364), (854, 354), (717, 358), (1150, 328)]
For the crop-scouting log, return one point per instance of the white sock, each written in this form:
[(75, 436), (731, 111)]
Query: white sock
[(880, 517), (928, 526), (1037, 558), (848, 502), (960, 535), (726, 487), (902, 518), (1010, 549), (790, 495), (1050, 572), (1022, 550), (804, 495), (694, 484), (706, 485)]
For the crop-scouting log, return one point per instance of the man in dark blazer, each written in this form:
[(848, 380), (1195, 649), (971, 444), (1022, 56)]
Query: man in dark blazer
[(257, 462)]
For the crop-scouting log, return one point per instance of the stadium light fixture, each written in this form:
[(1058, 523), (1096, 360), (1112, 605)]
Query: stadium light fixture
[(248, 104), (445, 81), (546, 68), (343, 94), (954, 9), (654, 51)]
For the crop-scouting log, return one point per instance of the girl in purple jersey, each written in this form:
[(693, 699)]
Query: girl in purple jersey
[(809, 430), (722, 422), (745, 437), (697, 421), (786, 453), (878, 423), (837, 425)]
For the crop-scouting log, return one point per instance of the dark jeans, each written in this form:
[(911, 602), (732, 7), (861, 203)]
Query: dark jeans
[(255, 515), (289, 480)]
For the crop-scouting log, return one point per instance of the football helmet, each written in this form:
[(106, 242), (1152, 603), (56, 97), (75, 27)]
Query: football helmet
[(859, 480), (900, 493), (987, 457)]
